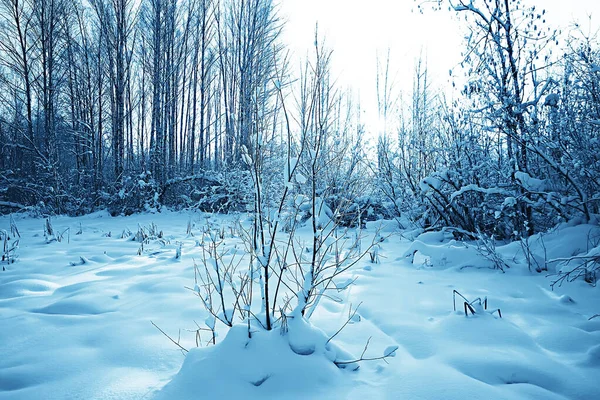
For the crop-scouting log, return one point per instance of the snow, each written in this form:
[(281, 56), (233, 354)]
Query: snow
[(475, 188), (301, 179), (530, 183), (430, 183), (76, 319), (240, 368)]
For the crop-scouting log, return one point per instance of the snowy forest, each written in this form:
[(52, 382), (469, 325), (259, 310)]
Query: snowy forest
[(131, 105), (174, 180)]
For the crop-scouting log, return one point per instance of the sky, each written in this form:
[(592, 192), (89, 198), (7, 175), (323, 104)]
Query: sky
[(358, 30)]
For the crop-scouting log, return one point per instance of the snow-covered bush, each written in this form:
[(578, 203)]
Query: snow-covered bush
[(137, 193), (358, 211), (37, 197), (211, 191), (288, 263), (584, 265), (514, 154)]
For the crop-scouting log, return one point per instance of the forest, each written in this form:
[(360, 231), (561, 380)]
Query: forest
[(131, 105), (174, 180)]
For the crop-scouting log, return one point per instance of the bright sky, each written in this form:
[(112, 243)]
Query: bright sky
[(357, 30)]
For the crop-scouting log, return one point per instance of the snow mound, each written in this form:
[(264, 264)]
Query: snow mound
[(433, 249), (26, 287), (293, 363)]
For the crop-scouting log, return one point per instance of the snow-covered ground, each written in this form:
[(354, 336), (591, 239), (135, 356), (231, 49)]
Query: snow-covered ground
[(76, 321)]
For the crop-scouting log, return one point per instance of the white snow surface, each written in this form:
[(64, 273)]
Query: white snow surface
[(75, 321)]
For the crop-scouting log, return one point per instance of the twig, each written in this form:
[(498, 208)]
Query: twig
[(362, 356), (345, 323), (170, 338)]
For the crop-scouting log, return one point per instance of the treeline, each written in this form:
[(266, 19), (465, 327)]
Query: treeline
[(95, 95), (158, 102)]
